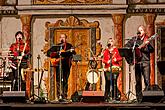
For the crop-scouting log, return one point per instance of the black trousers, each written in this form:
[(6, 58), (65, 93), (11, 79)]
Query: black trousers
[(142, 69), (62, 83), (111, 89), (14, 78)]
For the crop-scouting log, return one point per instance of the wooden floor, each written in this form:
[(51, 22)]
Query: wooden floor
[(83, 106)]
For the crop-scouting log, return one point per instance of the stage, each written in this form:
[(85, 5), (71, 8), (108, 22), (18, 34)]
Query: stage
[(83, 106)]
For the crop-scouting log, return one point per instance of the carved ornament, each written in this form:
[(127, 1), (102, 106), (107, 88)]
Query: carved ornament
[(72, 1)]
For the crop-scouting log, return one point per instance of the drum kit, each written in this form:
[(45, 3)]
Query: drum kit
[(6, 65)]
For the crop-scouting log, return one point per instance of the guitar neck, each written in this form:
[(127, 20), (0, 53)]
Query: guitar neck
[(150, 39)]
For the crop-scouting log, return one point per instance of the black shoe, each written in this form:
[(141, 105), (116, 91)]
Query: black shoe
[(65, 101)]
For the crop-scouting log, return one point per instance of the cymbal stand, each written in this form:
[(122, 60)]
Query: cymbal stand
[(4, 66), (76, 59)]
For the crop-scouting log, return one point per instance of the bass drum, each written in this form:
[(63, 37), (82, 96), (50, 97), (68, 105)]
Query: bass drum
[(92, 76)]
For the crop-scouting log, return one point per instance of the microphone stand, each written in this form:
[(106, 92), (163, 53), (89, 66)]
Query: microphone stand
[(111, 75), (38, 58), (60, 70)]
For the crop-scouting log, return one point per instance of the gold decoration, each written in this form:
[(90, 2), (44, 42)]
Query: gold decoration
[(72, 1), (78, 31)]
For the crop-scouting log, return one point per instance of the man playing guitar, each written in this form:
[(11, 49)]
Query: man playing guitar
[(143, 48), (62, 54), (21, 52)]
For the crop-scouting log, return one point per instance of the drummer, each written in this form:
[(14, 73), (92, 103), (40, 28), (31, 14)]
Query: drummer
[(111, 59)]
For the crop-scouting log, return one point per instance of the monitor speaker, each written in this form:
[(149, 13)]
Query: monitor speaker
[(13, 96), (88, 96), (155, 94), (92, 96)]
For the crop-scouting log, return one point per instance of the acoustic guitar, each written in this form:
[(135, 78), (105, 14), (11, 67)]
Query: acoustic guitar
[(55, 61), (138, 54)]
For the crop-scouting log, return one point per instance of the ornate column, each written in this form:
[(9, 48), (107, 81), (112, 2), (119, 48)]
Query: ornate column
[(26, 25), (118, 30), (2, 2), (150, 24)]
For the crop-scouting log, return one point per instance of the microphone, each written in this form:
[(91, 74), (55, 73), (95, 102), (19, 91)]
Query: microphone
[(62, 41), (19, 39), (138, 33), (128, 39), (38, 57), (108, 45)]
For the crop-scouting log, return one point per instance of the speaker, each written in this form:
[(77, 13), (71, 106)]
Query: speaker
[(92, 96), (13, 96), (154, 94)]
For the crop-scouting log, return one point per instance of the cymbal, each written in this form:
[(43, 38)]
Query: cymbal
[(5, 56), (95, 59), (5, 51), (32, 70)]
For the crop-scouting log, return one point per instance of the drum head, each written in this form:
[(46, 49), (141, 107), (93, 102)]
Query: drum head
[(92, 76)]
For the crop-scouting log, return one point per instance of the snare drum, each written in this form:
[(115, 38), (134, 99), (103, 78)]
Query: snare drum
[(92, 76)]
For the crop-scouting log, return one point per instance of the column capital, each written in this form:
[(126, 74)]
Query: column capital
[(26, 25), (2, 2), (118, 18), (26, 19), (149, 18), (150, 22)]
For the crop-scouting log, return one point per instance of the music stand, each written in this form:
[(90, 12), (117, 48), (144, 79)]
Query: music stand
[(161, 67), (128, 55), (162, 72), (75, 97)]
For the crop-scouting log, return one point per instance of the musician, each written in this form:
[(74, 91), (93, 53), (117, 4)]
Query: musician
[(64, 50), (21, 53), (142, 50), (111, 59)]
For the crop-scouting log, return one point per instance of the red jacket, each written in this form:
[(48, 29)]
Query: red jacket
[(115, 57), (16, 49)]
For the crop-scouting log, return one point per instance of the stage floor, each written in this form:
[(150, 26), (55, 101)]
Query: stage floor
[(83, 106)]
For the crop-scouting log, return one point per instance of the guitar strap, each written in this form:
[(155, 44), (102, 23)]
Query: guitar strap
[(65, 46)]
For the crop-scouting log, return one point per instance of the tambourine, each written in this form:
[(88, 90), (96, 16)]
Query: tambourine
[(116, 69), (92, 76)]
